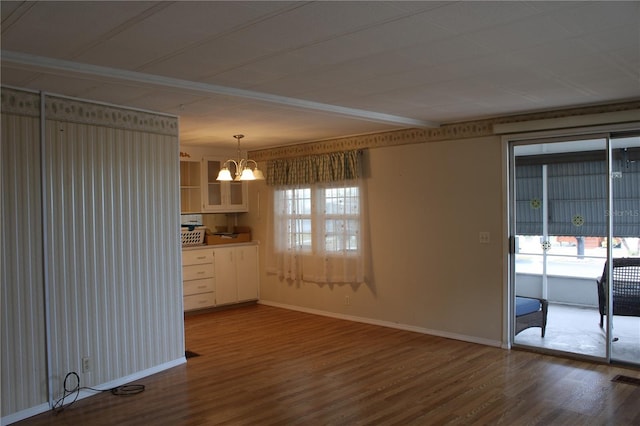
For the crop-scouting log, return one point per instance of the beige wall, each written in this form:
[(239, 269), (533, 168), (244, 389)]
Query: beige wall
[(427, 203)]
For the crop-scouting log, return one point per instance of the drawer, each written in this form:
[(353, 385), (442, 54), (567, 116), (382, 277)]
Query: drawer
[(196, 257), (196, 272), (199, 301), (198, 286)]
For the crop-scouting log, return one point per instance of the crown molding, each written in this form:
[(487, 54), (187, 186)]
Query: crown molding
[(41, 62), (462, 130)]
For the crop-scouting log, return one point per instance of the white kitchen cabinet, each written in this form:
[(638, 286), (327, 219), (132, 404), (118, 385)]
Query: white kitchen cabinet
[(218, 196), (237, 278), (219, 276), (198, 279)]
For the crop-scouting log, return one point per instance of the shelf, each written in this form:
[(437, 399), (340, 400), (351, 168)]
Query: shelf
[(190, 191)]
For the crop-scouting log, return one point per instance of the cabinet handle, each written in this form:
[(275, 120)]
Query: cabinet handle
[(201, 257), (200, 272)]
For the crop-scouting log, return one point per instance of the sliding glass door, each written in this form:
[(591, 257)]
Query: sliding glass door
[(571, 210), (625, 245)]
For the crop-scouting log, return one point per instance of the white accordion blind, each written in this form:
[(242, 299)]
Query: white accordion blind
[(22, 306), (110, 238)]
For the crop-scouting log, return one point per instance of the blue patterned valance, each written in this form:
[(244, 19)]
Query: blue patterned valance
[(332, 167)]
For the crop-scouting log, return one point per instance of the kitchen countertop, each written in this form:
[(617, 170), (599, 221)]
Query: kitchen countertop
[(205, 246)]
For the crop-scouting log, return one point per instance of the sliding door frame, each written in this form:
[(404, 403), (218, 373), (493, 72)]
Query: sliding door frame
[(552, 136)]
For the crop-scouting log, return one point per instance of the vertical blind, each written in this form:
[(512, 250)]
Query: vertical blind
[(111, 246)]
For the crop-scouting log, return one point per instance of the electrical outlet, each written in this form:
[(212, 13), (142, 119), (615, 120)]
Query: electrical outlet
[(86, 364), (484, 237)]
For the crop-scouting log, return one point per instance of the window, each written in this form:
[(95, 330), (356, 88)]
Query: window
[(319, 214), (331, 213)]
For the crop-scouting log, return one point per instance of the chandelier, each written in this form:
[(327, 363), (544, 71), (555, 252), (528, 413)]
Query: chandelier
[(243, 169)]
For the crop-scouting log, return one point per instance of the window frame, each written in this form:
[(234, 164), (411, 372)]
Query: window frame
[(344, 217), (319, 217)]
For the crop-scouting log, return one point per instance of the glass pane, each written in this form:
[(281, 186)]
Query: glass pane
[(341, 234), (340, 201), (214, 188), (214, 197), (236, 192), (213, 168), (300, 233)]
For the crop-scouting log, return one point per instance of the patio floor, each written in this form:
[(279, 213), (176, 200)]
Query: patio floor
[(577, 330)]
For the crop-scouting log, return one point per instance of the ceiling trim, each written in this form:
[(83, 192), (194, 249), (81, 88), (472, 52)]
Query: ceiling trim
[(463, 130), (192, 86)]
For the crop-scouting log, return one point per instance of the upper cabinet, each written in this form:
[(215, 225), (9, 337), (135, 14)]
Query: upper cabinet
[(190, 187), (222, 197)]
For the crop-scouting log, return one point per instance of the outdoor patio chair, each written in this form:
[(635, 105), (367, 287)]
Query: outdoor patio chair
[(626, 288), (531, 312)]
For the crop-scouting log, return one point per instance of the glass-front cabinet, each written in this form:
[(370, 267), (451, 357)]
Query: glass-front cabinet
[(222, 196)]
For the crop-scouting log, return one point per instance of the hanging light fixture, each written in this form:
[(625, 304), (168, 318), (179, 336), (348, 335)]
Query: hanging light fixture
[(243, 170)]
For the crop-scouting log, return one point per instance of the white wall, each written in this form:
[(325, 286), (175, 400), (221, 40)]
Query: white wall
[(427, 204)]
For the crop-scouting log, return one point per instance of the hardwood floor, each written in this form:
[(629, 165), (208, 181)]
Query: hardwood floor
[(260, 365)]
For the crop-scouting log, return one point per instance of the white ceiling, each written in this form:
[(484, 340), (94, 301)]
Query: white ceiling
[(289, 72)]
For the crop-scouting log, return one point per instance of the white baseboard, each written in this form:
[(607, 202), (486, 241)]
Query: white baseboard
[(42, 408), (406, 327), (24, 414)]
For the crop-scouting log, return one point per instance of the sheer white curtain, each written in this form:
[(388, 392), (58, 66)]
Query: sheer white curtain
[(317, 227)]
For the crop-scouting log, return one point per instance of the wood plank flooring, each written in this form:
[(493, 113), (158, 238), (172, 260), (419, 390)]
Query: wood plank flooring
[(260, 365)]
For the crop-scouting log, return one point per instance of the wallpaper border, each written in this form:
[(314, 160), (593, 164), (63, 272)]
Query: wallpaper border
[(87, 112), (462, 130)]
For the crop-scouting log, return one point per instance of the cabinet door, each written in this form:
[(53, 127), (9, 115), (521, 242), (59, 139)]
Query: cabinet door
[(222, 196), (226, 284), (212, 188), (247, 272)]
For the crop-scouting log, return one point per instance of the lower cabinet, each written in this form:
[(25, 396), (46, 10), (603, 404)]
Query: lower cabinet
[(219, 276), (198, 279), (236, 274)]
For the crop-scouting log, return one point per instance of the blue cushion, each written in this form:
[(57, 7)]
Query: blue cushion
[(525, 305)]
